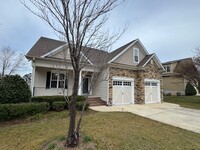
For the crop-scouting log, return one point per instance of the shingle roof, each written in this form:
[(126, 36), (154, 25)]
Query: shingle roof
[(43, 46), (174, 61), (144, 60), (182, 62), (95, 56), (118, 50)]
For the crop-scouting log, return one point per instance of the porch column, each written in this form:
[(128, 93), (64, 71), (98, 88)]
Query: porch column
[(33, 80), (80, 84)]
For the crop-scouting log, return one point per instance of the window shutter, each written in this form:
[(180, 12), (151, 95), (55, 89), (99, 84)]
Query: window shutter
[(66, 83), (48, 80)]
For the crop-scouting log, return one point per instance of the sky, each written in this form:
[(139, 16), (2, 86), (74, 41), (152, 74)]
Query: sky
[(169, 28)]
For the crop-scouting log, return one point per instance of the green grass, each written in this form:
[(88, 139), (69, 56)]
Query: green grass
[(114, 131), (184, 101)]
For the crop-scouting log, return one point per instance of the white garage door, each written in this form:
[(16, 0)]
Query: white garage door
[(152, 91), (123, 91)]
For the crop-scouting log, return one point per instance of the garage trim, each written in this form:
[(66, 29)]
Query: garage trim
[(123, 80), (158, 88)]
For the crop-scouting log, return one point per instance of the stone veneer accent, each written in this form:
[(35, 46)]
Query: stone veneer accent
[(151, 72)]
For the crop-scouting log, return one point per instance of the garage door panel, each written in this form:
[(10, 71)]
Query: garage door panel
[(123, 92), (147, 94), (117, 92), (127, 95), (152, 90), (154, 94)]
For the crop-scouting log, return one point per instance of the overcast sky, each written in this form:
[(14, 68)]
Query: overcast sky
[(169, 28)]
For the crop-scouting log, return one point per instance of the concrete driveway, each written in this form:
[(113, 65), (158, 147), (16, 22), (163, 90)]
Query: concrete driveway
[(167, 113)]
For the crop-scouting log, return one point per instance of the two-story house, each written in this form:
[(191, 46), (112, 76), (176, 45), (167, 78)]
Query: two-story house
[(173, 81)]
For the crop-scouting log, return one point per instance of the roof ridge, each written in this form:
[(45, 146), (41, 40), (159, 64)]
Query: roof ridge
[(176, 60), (47, 38)]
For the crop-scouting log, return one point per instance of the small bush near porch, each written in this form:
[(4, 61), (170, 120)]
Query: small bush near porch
[(114, 130), (184, 101)]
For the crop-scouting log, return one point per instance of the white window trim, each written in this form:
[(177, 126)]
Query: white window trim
[(58, 72), (134, 50), (165, 66)]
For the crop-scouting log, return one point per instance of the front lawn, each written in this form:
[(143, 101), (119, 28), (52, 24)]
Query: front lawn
[(115, 131), (184, 101)]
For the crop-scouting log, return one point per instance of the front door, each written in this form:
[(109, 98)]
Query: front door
[(85, 85)]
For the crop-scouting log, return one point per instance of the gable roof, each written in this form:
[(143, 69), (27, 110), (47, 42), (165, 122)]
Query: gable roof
[(145, 60), (46, 46), (43, 46), (116, 52)]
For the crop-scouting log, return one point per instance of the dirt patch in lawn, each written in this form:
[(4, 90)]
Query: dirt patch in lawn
[(59, 144)]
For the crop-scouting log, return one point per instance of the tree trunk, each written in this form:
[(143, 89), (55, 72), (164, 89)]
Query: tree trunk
[(73, 136)]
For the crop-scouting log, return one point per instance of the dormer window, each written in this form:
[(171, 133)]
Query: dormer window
[(136, 55), (167, 68)]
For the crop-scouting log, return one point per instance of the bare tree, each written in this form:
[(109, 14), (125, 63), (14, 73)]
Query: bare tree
[(10, 62), (80, 23), (197, 58), (189, 71)]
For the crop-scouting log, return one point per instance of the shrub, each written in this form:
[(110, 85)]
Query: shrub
[(190, 90), (13, 89), (168, 94), (48, 99), (59, 106), (79, 105), (52, 99), (12, 111)]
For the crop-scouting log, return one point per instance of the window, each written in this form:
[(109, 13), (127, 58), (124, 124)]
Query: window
[(147, 83), (136, 55), (167, 68), (153, 84), (61, 80), (58, 80), (126, 83), (117, 82), (54, 79)]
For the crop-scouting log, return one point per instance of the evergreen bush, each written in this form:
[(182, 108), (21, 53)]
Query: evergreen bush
[(13, 111), (13, 89), (190, 90), (59, 106)]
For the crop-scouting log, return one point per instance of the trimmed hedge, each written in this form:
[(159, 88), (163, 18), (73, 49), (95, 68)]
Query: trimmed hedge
[(190, 90), (12, 111), (59, 106), (79, 106), (52, 99), (48, 99), (13, 89)]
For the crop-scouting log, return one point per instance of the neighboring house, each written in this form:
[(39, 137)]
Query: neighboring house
[(27, 78), (173, 81), (131, 75)]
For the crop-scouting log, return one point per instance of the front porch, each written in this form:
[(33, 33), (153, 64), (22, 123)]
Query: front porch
[(50, 81)]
